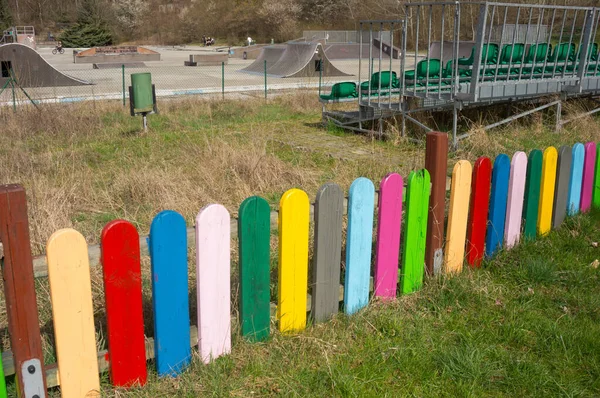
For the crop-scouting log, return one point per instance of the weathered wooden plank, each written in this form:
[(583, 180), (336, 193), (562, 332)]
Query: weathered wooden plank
[(516, 194), (436, 163), (73, 314), (576, 179), (213, 269), (19, 287), (458, 215), (417, 209), (498, 200), (293, 260), (596, 194), (123, 301), (563, 174), (254, 243), (359, 240), (478, 213), (329, 210), (547, 190), (532, 194), (168, 262), (389, 222), (588, 176)]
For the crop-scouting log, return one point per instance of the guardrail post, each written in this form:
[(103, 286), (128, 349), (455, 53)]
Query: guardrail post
[(436, 162)]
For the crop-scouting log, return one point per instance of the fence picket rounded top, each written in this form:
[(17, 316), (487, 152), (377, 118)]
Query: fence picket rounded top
[(502, 160), (120, 225), (483, 161), (392, 178), (519, 158), (293, 195), (421, 174), (214, 211), (551, 154), (70, 234), (254, 203), (535, 155), (329, 188), (462, 166), (563, 150), (165, 217), (590, 146), (362, 184)]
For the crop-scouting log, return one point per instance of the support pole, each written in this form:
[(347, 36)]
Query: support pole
[(12, 86), (223, 80), (265, 79), (123, 76), (436, 162), (454, 126), (558, 116)]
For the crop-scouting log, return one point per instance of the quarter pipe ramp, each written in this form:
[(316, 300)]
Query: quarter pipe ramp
[(296, 60), (30, 69), (271, 54)]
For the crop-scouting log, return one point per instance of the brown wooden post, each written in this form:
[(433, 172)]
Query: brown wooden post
[(19, 289), (436, 162)]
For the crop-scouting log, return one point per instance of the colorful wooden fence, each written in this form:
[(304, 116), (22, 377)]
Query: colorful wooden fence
[(489, 209)]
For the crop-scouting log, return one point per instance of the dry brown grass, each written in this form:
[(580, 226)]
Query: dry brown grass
[(85, 164)]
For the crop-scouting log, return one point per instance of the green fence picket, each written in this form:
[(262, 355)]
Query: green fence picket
[(417, 204), (254, 240)]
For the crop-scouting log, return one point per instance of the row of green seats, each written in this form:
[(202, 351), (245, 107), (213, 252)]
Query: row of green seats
[(512, 54)]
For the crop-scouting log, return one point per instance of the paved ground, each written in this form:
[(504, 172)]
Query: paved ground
[(172, 78)]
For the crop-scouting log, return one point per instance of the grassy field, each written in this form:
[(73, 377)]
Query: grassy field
[(524, 324)]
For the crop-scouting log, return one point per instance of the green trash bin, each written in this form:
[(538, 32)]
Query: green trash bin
[(141, 87)]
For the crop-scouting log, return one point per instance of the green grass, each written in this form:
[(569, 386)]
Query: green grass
[(526, 324)]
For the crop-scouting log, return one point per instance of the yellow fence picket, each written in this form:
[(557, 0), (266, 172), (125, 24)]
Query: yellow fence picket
[(72, 311), (547, 190), (294, 210), (458, 216)]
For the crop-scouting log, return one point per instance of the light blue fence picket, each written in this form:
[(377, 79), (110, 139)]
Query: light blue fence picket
[(359, 240)]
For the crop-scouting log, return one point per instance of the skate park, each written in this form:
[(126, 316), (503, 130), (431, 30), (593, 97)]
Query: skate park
[(172, 78)]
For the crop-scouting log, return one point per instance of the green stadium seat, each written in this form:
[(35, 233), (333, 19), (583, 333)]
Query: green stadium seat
[(512, 54), (343, 90), (386, 81)]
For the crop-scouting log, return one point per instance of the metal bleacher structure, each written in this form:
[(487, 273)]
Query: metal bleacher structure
[(459, 55)]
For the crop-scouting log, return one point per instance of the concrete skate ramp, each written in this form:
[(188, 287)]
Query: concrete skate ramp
[(252, 52), (31, 70), (464, 50), (271, 54), (351, 51), (302, 60), (387, 49)]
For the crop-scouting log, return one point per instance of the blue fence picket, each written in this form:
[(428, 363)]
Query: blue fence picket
[(359, 240), (168, 254), (498, 199), (576, 179)]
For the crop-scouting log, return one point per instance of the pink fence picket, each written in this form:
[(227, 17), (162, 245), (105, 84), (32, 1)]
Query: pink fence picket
[(388, 236)]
